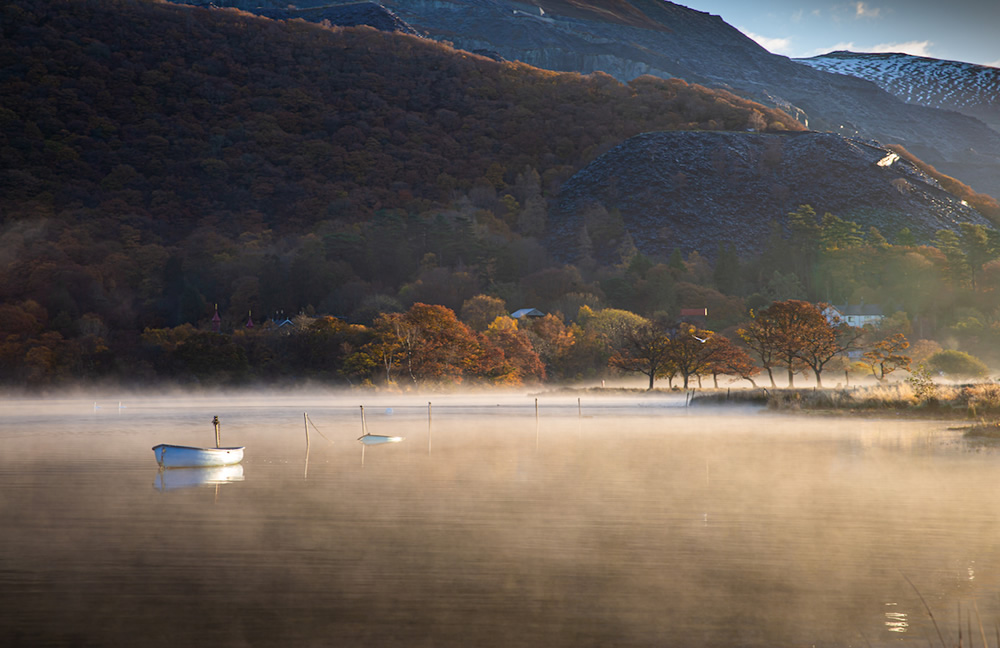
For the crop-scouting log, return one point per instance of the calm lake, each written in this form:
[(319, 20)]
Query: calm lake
[(627, 521)]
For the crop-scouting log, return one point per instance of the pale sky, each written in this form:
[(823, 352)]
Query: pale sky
[(955, 30)]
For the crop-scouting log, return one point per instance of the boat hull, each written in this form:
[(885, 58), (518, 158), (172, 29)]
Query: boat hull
[(175, 456)]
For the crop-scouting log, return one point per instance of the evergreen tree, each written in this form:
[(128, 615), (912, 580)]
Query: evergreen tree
[(976, 246), (839, 234), (949, 243), (804, 241), (876, 240), (676, 262), (906, 238), (727, 270)]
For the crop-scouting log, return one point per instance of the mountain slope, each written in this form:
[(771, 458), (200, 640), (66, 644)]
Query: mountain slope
[(156, 159), (633, 37), (166, 115), (970, 89), (692, 190)]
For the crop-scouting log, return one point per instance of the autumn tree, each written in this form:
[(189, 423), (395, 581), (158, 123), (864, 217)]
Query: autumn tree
[(612, 324), (790, 332), (480, 311), (822, 340), (645, 348), (553, 341), (690, 354), (729, 359), (383, 353), (517, 362), (435, 347), (885, 356), (760, 335)]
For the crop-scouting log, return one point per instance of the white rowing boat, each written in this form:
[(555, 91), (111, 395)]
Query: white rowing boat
[(178, 456)]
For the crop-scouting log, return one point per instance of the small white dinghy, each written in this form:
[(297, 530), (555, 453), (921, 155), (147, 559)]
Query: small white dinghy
[(178, 456)]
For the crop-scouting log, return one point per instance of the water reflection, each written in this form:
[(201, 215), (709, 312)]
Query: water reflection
[(630, 526), (176, 478), (895, 621)]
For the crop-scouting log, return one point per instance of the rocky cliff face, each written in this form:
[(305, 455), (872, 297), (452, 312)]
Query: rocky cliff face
[(693, 190)]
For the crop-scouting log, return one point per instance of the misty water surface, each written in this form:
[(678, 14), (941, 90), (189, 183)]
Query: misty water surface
[(630, 521)]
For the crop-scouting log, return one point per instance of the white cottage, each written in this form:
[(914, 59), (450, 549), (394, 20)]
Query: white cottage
[(857, 315)]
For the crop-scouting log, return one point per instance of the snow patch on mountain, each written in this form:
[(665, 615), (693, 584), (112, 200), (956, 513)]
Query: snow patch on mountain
[(951, 85)]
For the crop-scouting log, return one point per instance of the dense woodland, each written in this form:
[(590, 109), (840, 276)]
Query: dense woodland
[(160, 163)]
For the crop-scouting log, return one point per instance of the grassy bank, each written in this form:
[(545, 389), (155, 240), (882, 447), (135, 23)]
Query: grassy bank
[(948, 401), (977, 403)]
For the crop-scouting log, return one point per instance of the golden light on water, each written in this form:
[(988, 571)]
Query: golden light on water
[(631, 522)]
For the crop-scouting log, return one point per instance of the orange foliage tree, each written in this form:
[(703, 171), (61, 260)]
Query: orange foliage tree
[(518, 360), (796, 334), (429, 344), (645, 349), (729, 359), (885, 356)]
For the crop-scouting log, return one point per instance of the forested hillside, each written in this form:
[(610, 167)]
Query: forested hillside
[(160, 161), (179, 134)]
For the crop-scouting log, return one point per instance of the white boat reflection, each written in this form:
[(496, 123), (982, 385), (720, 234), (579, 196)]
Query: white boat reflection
[(190, 477), (376, 439)]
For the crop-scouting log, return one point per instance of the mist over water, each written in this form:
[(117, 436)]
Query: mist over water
[(625, 521)]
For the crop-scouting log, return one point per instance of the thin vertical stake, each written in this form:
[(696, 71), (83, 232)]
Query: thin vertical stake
[(428, 427), (579, 408), (536, 425), (305, 420)]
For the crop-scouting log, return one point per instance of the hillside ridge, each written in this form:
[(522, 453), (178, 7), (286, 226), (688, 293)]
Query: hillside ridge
[(695, 190)]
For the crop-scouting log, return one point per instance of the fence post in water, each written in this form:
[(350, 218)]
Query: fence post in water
[(579, 408), (215, 422), (428, 427), (305, 420), (364, 431)]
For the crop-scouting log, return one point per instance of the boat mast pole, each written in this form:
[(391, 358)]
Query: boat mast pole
[(215, 422)]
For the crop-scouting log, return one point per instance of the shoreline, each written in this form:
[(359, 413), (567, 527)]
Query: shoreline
[(977, 404)]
